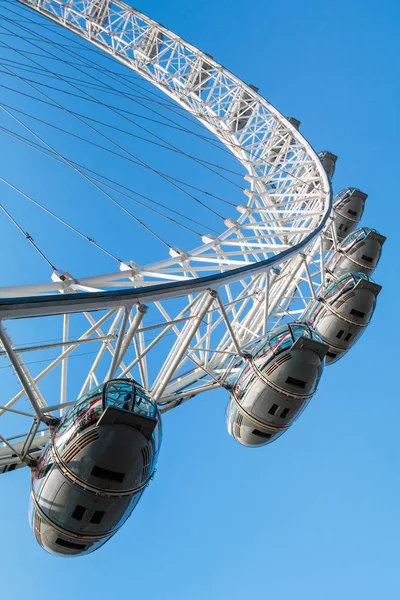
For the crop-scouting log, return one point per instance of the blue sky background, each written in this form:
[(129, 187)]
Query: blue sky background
[(315, 515)]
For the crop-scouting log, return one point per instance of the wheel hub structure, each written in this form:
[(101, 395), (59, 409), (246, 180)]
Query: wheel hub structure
[(183, 325)]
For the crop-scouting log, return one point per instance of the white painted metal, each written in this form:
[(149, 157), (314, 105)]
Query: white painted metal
[(212, 303)]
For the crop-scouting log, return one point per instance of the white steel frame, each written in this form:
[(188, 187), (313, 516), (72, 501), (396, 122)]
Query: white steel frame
[(263, 269)]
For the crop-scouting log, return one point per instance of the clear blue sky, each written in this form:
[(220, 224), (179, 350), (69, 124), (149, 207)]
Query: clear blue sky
[(315, 515)]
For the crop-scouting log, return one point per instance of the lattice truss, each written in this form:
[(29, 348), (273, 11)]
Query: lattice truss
[(182, 325)]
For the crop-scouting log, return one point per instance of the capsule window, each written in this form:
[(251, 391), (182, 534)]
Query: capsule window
[(262, 434), (340, 333), (348, 336), (296, 382), (107, 474), (357, 313), (341, 226), (273, 409), (285, 413), (352, 212), (367, 259), (78, 513), (71, 545), (97, 516), (331, 354)]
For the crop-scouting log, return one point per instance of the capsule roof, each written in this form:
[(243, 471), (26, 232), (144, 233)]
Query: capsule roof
[(124, 394), (349, 281), (346, 193), (360, 234), (284, 337)]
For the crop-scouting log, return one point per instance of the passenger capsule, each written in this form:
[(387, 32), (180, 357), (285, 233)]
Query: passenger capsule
[(342, 313), (95, 468), (348, 207), (328, 161), (275, 384), (359, 252)]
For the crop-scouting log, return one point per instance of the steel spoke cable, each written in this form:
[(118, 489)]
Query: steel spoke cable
[(99, 86), (41, 70), (86, 177), (212, 140), (118, 108), (125, 150), (28, 236), (104, 71), (159, 144), (176, 126), (111, 74), (52, 214), (81, 45), (172, 146), (171, 105), (126, 118), (169, 179), (101, 177), (91, 143), (279, 169)]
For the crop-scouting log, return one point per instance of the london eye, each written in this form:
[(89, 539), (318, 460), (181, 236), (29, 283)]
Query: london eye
[(257, 308)]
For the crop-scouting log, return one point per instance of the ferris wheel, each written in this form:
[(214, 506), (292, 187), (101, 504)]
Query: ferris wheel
[(256, 309)]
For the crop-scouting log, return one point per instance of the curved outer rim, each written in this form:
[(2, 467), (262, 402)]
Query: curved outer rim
[(52, 305), (26, 306)]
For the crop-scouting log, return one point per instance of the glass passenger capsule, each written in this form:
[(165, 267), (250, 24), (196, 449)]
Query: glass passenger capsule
[(348, 207), (95, 467), (358, 253), (342, 313), (275, 384)]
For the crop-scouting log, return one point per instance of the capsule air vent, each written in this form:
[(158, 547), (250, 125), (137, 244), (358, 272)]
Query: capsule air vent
[(262, 434), (145, 451), (80, 443), (70, 545), (346, 297), (38, 527), (237, 425), (277, 363)]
